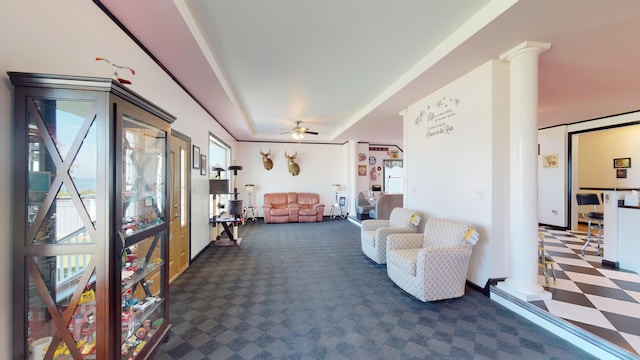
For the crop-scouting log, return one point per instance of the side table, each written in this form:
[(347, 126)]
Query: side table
[(338, 207), (227, 222)]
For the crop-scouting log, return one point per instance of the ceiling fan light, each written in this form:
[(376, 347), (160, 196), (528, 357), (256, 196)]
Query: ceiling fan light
[(297, 136)]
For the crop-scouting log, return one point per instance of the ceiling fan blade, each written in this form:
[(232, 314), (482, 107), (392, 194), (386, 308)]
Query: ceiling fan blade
[(311, 132)]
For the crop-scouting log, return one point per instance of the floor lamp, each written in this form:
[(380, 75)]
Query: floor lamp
[(336, 206), (250, 209)]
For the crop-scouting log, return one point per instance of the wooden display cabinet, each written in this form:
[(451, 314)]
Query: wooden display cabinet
[(90, 180)]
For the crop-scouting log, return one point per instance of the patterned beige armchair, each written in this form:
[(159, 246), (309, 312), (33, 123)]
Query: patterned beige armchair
[(433, 265), (373, 236)]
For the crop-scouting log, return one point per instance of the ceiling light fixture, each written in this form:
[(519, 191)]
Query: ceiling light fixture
[(297, 135)]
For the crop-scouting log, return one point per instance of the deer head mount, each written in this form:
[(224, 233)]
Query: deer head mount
[(294, 168), (268, 164)]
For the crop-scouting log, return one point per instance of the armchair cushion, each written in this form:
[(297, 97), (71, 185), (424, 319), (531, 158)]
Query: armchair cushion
[(433, 265), (374, 233), (279, 212), (309, 208), (405, 259), (445, 232), (307, 211), (276, 207)]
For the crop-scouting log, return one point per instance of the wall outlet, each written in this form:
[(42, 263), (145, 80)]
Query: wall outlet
[(477, 195)]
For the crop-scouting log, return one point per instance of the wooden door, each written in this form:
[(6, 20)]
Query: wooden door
[(179, 211)]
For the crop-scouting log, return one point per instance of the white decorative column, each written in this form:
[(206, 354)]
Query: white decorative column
[(522, 281)]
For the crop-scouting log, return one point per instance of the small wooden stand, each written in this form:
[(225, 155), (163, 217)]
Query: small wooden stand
[(227, 223)]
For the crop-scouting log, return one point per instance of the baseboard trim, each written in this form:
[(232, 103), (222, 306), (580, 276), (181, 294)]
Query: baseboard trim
[(554, 227)]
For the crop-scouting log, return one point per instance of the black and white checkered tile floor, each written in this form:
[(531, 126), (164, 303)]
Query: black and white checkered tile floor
[(598, 299)]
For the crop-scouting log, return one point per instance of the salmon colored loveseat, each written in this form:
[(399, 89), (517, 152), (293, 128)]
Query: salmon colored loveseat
[(287, 207)]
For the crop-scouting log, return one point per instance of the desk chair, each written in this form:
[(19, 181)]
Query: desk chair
[(545, 261), (595, 217)]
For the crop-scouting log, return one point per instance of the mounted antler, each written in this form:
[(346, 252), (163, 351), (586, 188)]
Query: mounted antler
[(294, 168), (268, 164)]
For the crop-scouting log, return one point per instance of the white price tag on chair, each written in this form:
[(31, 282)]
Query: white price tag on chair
[(472, 236), (415, 219)]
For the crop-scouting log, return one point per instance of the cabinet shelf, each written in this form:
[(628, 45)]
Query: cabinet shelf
[(140, 316), (138, 332), (129, 198), (128, 280)]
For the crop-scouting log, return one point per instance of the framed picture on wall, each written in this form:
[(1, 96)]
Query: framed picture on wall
[(621, 173), (195, 155), (621, 163), (362, 170), (550, 161), (203, 165)]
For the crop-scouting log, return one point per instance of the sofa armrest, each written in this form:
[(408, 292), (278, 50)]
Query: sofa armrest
[(404, 241), (443, 271), (267, 206), (370, 225), (365, 207)]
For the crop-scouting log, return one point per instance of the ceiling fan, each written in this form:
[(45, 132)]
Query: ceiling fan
[(298, 131)]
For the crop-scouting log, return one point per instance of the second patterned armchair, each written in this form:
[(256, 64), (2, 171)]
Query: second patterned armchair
[(431, 266), (373, 236)]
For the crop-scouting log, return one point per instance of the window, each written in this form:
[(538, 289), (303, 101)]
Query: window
[(184, 167), (219, 157)]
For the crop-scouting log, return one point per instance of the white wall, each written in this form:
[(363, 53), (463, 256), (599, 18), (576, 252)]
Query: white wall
[(552, 181), (592, 151), (604, 139), (64, 37), (597, 151), (321, 165), (455, 149)]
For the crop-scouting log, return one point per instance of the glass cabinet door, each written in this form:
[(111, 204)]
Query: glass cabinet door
[(144, 234), (61, 228), (143, 176)]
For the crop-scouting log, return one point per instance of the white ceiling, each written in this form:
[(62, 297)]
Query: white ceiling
[(347, 68)]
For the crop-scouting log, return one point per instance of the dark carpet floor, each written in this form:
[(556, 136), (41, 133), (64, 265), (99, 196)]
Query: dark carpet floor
[(306, 291)]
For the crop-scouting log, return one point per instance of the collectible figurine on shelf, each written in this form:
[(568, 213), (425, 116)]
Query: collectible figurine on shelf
[(89, 332)]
